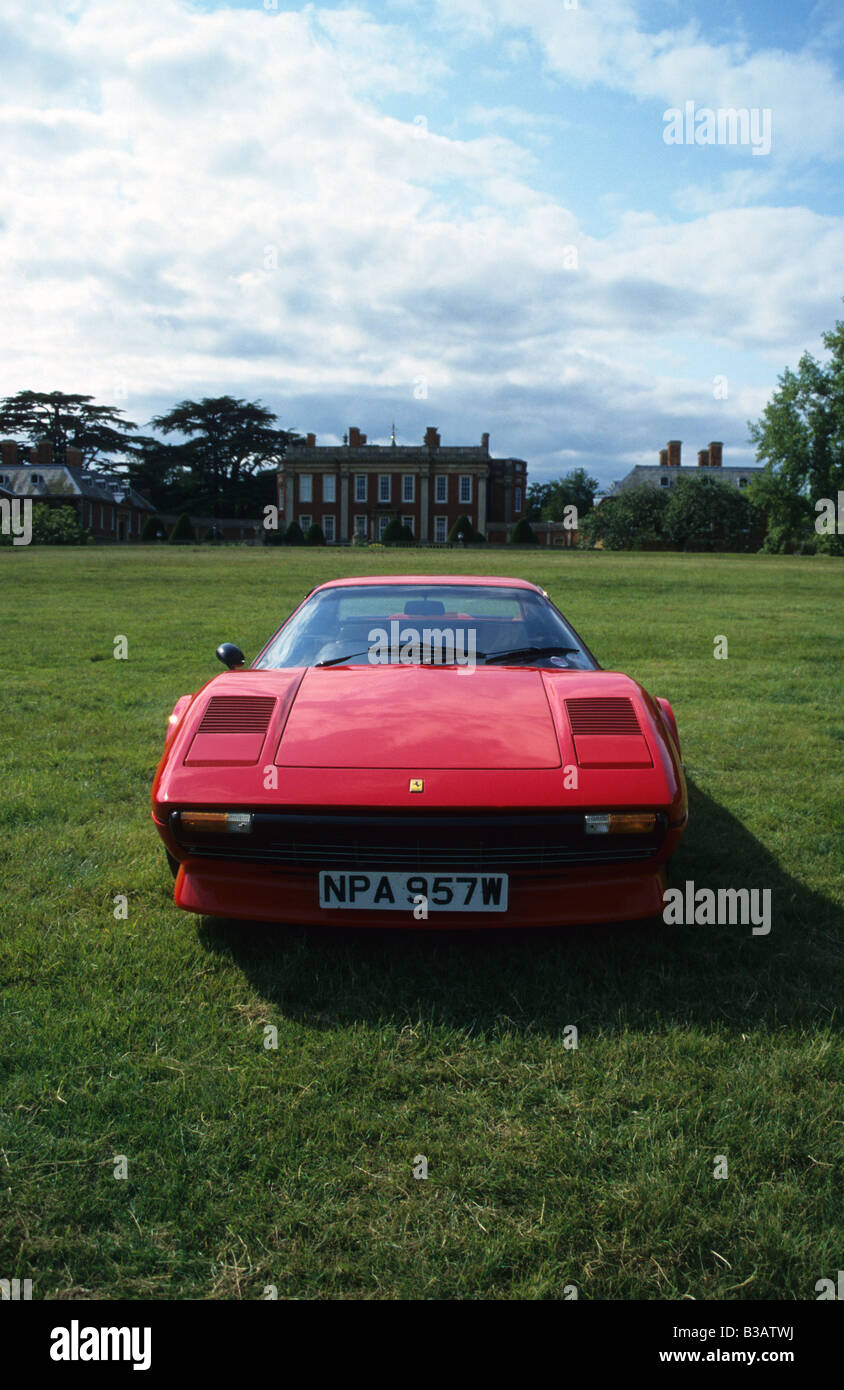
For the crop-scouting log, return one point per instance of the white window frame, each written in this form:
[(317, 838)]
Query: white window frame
[(306, 487), (440, 487), (361, 492), (328, 526), (383, 523), (408, 487), (665, 482), (465, 490), (384, 494), (517, 499), (305, 522), (360, 526), (440, 525), (409, 522), (329, 487)]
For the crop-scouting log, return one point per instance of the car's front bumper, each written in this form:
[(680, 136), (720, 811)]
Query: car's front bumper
[(257, 892)]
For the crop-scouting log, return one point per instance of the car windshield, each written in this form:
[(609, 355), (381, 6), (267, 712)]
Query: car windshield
[(438, 624)]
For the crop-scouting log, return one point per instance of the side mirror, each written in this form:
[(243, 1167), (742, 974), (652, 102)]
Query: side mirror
[(230, 655)]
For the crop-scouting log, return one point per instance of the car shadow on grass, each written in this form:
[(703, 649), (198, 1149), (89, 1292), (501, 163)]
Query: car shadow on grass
[(642, 974)]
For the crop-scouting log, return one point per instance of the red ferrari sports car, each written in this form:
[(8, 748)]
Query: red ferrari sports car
[(421, 749)]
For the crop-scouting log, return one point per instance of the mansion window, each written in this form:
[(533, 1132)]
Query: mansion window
[(408, 488), (328, 527), (329, 487), (305, 487), (441, 488), (466, 487), (408, 522), (383, 487), (360, 487), (439, 529)]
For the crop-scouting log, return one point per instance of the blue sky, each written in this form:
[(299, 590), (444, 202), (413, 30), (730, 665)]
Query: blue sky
[(462, 213)]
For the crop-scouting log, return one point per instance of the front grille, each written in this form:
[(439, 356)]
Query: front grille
[(424, 844), (608, 715)]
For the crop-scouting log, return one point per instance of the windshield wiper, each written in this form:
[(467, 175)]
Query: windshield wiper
[(338, 660), (429, 651), (519, 652)]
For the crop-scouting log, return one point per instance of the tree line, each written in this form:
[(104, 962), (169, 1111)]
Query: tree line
[(223, 464), (228, 450)]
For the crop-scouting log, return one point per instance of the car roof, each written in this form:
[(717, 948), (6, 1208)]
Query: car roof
[(429, 580)]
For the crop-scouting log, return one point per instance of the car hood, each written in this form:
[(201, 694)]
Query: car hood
[(420, 716), (359, 736)]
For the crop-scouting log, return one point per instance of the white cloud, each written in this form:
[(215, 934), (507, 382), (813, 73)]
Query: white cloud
[(607, 44)]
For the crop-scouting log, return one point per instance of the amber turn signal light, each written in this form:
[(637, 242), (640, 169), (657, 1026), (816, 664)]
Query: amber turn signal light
[(620, 823), (217, 822)]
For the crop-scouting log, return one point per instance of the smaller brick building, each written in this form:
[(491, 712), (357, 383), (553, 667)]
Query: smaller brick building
[(111, 511), (670, 467)]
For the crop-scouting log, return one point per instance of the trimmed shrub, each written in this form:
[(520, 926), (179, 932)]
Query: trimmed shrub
[(182, 533), (293, 534), (393, 533), (314, 535), (462, 530), (153, 529), (523, 534)]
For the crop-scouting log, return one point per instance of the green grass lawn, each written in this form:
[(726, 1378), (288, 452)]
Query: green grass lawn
[(548, 1165)]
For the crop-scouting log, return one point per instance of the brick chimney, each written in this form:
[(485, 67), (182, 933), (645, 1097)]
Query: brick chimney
[(73, 457), (674, 447), (716, 451), (42, 453), (311, 441), (703, 458), (432, 438), (355, 437), (485, 443), (663, 458), (9, 451)]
